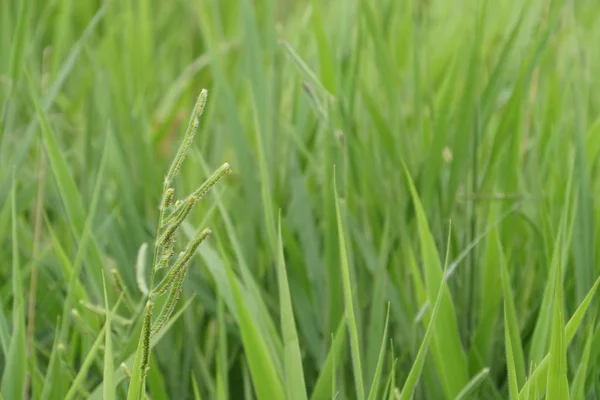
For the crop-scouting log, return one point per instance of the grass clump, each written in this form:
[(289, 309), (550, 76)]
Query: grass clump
[(359, 130)]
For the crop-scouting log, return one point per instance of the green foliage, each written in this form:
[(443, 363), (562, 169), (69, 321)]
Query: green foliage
[(366, 126)]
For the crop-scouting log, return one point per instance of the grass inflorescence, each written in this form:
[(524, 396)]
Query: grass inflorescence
[(172, 215)]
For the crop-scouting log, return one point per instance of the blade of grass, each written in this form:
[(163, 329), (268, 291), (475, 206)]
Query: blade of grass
[(323, 387), (517, 357), (13, 376), (473, 385), (222, 360), (412, 379), (513, 385), (557, 386), (197, 395), (539, 345), (53, 91), (578, 383), (294, 374), (108, 375), (76, 386), (70, 195), (538, 376), (447, 350), (413, 376), (377, 376), (119, 375), (262, 367), (348, 301), (16, 54)]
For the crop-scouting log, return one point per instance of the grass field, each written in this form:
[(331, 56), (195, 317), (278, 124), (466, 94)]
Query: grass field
[(410, 211)]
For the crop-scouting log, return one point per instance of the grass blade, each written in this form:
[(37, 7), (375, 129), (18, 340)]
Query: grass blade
[(263, 371), (348, 301), (294, 374), (323, 387), (473, 385), (513, 385), (539, 374), (412, 379), (76, 386), (447, 350), (13, 377), (108, 375), (97, 393), (517, 358), (578, 383), (557, 385), (377, 377)]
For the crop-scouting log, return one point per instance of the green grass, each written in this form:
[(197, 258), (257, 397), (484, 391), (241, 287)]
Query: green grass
[(357, 133)]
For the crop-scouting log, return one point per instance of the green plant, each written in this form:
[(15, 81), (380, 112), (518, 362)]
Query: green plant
[(172, 215)]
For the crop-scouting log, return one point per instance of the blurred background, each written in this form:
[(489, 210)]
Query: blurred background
[(492, 108)]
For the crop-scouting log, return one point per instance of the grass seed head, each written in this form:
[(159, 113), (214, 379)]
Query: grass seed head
[(188, 138)]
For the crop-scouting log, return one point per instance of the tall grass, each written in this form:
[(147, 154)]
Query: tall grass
[(356, 131)]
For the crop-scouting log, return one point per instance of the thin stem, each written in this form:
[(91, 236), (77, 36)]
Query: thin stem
[(34, 270), (156, 246)]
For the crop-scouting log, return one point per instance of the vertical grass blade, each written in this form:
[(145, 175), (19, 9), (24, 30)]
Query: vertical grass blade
[(543, 325), (513, 385), (412, 379), (538, 376), (13, 377), (377, 377), (578, 383), (108, 375), (261, 365), (447, 350), (197, 395), (512, 328), (222, 378), (77, 384), (294, 374), (557, 385), (323, 387), (348, 302)]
